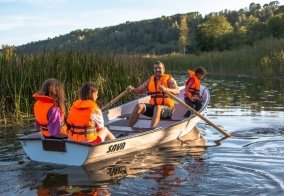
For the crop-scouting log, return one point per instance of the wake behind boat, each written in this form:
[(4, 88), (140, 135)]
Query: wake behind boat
[(133, 138)]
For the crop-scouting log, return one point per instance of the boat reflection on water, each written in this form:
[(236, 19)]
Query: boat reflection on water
[(94, 178)]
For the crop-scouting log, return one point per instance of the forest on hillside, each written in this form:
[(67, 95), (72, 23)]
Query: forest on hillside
[(184, 33)]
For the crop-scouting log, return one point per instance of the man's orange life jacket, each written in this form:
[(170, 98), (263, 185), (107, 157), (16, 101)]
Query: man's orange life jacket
[(41, 109), (195, 87), (80, 121), (157, 96)]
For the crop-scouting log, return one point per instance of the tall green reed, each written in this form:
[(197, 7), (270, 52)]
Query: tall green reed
[(24, 74)]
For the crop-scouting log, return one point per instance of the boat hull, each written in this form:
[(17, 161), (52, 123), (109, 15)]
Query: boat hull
[(136, 138)]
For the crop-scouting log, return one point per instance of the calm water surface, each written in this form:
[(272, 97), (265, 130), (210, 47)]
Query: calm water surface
[(250, 162)]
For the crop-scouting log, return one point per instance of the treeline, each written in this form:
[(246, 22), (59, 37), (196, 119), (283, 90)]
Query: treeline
[(222, 30), (230, 30)]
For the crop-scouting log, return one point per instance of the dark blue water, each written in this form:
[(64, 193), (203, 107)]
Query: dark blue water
[(250, 162)]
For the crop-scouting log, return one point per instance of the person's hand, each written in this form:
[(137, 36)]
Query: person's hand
[(162, 87), (193, 98), (130, 88)]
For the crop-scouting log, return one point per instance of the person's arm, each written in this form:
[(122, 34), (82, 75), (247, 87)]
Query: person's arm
[(173, 87), (140, 89), (187, 87), (103, 132), (54, 122), (37, 125), (97, 117)]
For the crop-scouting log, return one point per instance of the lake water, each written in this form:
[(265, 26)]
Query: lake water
[(249, 162)]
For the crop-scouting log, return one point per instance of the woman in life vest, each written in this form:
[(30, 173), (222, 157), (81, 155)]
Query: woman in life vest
[(160, 105), (192, 88), (49, 109), (85, 120)]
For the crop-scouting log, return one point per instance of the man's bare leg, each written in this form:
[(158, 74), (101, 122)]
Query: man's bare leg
[(139, 108), (156, 116)]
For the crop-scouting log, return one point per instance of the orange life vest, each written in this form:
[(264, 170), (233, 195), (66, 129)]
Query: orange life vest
[(195, 87), (81, 128), (157, 96), (41, 109)]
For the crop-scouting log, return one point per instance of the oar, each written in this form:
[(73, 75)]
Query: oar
[(116, 99), (194, 111)]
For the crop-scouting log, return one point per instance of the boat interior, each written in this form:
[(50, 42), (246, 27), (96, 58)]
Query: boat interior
[(116, 119)]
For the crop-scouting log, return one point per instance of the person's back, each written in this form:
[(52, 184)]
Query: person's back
[(85, 120), (49, 109)]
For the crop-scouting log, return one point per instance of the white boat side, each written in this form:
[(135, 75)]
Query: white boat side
[(136, 138)]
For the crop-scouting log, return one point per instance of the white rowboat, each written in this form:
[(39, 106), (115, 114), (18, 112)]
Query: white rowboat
[(135, 138)]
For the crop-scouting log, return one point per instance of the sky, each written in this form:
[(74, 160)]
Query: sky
[(24, 21)]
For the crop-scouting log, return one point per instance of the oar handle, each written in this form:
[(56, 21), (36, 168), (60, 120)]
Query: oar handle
[(194, 111), (116, 99)]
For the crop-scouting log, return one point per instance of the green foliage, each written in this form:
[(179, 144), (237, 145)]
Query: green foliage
[(8, 51), (183, 36), (264, 59), (275, 25), (212, 33), (22, 75), (256, 30)]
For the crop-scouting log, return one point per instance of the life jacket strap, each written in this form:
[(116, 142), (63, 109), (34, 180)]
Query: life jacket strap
[(159, 96), (87, 130)]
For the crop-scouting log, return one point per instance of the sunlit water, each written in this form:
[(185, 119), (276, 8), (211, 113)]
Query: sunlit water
[(250, 162)]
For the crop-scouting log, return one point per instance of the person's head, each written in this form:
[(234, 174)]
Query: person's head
[(89, 91), (200, 72), (53, 88), (159, 68)]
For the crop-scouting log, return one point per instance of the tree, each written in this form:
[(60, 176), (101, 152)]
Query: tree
[(183, 36), (209, 34), (275, 26), (8, 51), (256, 30), (274, 4), (240, 36)]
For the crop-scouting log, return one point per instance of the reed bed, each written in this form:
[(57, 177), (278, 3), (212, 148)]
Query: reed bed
[(22, 75)]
